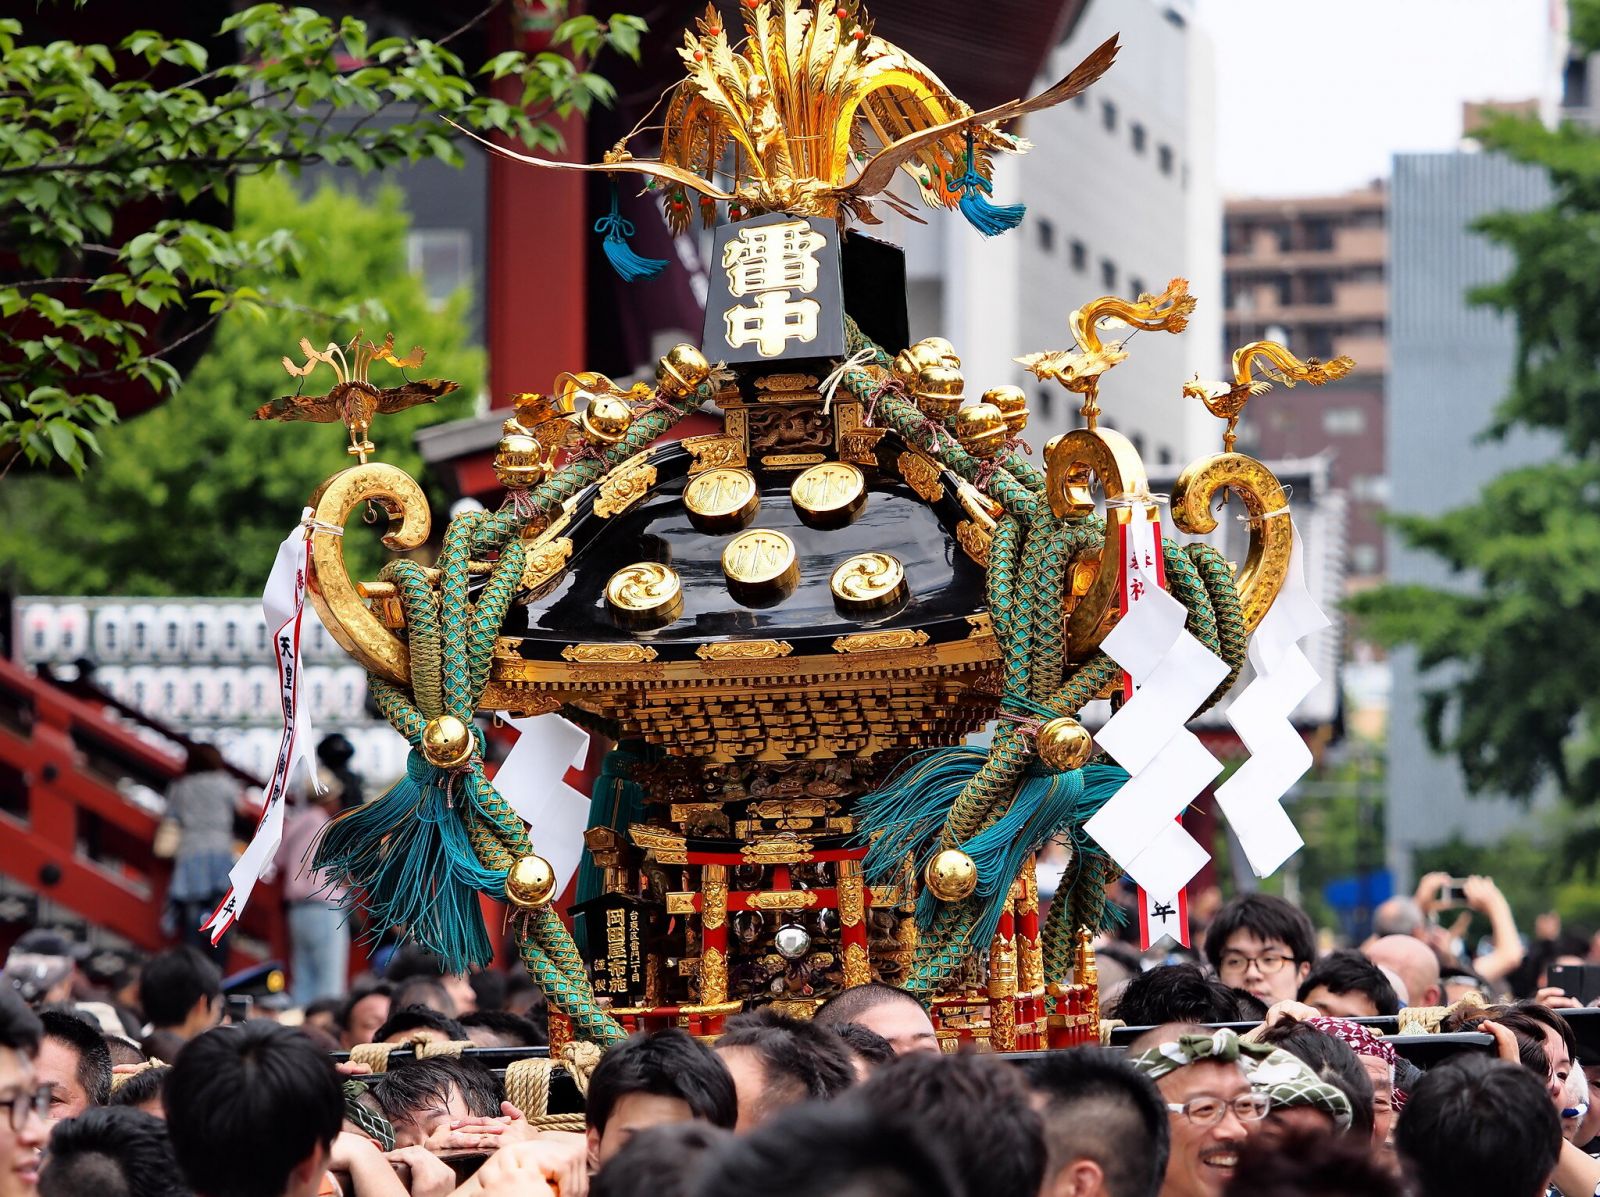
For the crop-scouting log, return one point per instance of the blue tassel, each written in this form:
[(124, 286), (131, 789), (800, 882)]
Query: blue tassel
[(629, 266), (982, 213), (407, 863), (903, 817)]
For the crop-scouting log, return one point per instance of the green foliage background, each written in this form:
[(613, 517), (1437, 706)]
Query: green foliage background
[(193, 497)]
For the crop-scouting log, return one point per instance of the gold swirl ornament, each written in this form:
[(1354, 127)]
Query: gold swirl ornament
[(338, 604), (644, 595), (1271, 533), (868, 581), (1073, 464)]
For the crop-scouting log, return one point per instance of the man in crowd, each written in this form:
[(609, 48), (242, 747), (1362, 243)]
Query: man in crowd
[(24, 1102), (75, 1062), (892, 1013), (1263, 945), (1346, 984), (180, 992), (1414, 962), (1211, 1108), (777, 1062), (422, 1098), (654, 1080), (1105, 1126), (365, 1011), (410, 1023), (112, 1153), (1479, 1126)]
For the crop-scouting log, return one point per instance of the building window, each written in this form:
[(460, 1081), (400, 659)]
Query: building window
[(1319, 289), (443, 258), (1108, 275), (1344, 421), (1364, 559), (1370, 488), (1080, 256), (1047, 235), (1139, 137), (1285, 288), (1108, 116), (1164, 158), (1318, 232), (1319, 342), (1135, 287), (1081, 100), (1047, 401), (1164, 455), (1235, 238)]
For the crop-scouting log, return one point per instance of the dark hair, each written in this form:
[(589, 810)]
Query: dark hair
[(1098, 1108), (1476, 1125), (124, 1051), (1267, 918), (359, 994), (147, 1084), (325, 1005), (413, 961), (426, 992), (846, 1148), (1311, 1164), (247, 1104), (407, 1089), (848, 1004), (204, 758), (516, 1030), (864, 1042), (1527, 1020), (89, 1045), (1334, 1061), (1176, 993), (19, 1026), (978, 1107), (660, 1161), (799, 1060), (111, 1153), (489, 988), (173, 981), (668, 1063), (418, 1018), (162, 1045), (1348, 971)]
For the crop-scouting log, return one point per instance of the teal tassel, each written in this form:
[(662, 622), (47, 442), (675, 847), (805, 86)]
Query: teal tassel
[(903, 817), (982, 213), (617, 229), (615, 802), (407, 863)]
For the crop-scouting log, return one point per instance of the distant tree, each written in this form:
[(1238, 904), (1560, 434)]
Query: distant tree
[(193, 496), (1517, 645), (90, 133)]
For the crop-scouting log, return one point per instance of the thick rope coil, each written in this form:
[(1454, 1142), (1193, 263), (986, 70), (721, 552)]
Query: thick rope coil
[(374, 1055), (420, 604), (528, 1086)]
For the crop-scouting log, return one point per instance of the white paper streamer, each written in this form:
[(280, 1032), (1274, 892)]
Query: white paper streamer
[(1252, 798), (283, 603), (532, 781), (1167, 764)]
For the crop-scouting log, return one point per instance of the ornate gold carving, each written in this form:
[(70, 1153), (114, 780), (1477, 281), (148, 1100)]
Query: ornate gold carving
[(721, 500), (852, 897), (791, 461), (857, 967), (922, 474), (338, 604), (646, 594), (791, 808), (860, 445), (760, 563), (714, 887), (981, 624), (1226, 400), (872, 642), (624, 486), (744, 650), (714, 452), (974, 542), (983, 510), (784, 428), (668, 846), (608, 654), (783, 899), (713, 977), (779, 383), (734, 422), (545, 561), (868, 581), (780, 850), (681, 903), (1271, 534), (829, 493)]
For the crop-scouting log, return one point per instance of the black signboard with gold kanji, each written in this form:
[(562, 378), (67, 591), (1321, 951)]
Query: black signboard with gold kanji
[(616, 927), (775, 291)]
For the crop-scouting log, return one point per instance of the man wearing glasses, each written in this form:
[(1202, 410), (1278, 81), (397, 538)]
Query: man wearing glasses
[(1262, 945), (24, 1102)]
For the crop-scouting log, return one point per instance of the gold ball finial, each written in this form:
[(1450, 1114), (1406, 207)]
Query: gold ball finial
[(531, 883), (981, 429), (518, 458), (1013, 404), (908, 363), (1064, 744), (606, 419), (951, 875), (945, 350), (938, 391), (682, 371), (447, 742)]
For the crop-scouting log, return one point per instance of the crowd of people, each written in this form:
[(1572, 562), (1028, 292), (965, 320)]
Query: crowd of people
[(146, 1081)]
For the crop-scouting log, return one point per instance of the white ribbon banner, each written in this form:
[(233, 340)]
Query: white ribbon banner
[(283, 601), (1252, 798), (532, 780)]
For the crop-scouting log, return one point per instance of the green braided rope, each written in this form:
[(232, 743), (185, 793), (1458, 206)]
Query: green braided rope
[(1060, 925), (491, 612), (1184, 584), (1004, 546), (421, 607), (1233, 641)]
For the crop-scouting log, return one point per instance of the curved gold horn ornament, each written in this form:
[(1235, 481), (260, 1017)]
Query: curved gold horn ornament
[(1074, 461), (339, 604), (1271, 532)]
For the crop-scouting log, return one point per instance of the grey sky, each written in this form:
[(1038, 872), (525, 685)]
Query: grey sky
[(1340, 85)]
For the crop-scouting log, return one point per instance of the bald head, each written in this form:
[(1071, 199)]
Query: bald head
[(1413, 962)]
